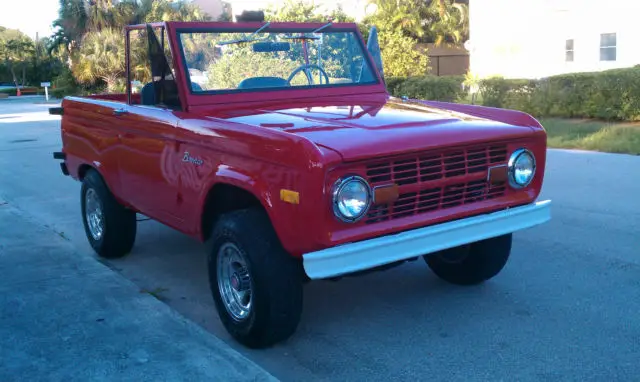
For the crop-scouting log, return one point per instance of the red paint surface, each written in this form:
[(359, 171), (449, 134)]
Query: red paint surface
[(262, 142)]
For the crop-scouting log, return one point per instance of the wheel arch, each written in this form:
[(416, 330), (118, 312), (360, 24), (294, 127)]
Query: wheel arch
[(84, 168), (223, 197)]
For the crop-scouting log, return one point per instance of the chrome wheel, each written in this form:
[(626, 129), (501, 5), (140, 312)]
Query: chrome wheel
[(234, 281), (93, 214)]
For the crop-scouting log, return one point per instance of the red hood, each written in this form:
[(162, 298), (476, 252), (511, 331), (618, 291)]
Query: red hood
[(394, 127)]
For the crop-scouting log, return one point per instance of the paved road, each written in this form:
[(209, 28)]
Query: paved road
[(56, 326), (566, 307)]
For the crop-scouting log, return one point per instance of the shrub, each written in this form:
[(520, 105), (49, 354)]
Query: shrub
[(500, 92), (27, 90), (609, 95), (444, 88), (399, 56), (64, 85), (393, 85)]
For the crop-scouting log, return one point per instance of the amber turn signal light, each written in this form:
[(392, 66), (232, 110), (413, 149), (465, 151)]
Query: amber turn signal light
[(385, 194), (289, 196), (498, 175)]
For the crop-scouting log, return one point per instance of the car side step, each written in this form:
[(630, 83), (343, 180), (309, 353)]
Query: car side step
[(56, 110), (63, 166)]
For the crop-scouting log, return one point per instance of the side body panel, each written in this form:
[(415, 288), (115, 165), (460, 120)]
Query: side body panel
[(163, 164), (89, 138), (260, 161), (149, 150)]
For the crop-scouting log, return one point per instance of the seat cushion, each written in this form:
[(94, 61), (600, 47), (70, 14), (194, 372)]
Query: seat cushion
[(262, 82)]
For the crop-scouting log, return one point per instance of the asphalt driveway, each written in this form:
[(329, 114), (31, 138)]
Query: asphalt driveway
[(566, 307)]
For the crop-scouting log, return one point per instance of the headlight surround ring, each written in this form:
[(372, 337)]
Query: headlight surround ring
[(517, 159), (340, 208)]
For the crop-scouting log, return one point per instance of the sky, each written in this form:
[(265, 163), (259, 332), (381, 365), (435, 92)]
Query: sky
[(29, 16)]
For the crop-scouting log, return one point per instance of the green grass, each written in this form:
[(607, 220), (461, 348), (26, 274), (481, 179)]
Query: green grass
[(593, 135)]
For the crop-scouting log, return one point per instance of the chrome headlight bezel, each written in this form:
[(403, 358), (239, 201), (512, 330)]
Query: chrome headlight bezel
[(513, 159), (339, 186)]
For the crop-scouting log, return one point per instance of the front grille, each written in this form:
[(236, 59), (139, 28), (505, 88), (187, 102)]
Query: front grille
[(436, 180)]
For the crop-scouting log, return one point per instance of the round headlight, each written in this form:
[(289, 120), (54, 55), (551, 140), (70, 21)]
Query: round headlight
[(351, 198), (522, 167)]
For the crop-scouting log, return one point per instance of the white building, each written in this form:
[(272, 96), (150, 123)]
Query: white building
[(538, 38), (213, 8)]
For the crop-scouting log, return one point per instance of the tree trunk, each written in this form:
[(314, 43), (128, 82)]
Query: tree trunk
[(442, 7), (70, 50), (111, 84), (13, 75), (24, 74)]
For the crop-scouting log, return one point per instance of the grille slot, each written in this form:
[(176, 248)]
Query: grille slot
[(426, 168), (440, 178)]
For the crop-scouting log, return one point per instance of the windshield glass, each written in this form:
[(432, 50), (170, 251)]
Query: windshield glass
[(233, 61)]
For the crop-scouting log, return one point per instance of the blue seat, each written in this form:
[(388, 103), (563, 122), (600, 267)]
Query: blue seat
[(170, 92), (148, 95), (263, 82)]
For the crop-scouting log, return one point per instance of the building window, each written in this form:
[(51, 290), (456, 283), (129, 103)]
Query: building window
[(608, 47), (568, 50)]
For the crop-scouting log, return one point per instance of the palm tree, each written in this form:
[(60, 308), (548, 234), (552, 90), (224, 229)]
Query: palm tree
[(448, 21), (98, 24), (425, 20), (399, 15), (132, 11), (100, 14), (102, 55), (71, 25)]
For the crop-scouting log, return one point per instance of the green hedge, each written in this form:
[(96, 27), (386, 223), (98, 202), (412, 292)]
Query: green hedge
[(24, 91), (445, 88), (608, 95)]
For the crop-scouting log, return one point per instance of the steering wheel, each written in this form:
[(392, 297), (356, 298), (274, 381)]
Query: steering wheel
[(309, 77)]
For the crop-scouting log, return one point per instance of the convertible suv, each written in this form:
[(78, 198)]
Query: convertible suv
[(278, 145)]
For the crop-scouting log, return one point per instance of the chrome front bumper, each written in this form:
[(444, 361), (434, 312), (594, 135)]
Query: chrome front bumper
[(367, 254)]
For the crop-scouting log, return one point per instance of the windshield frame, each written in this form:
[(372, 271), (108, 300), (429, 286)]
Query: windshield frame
[(244, 95)]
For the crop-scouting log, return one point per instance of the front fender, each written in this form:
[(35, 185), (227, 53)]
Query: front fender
[(265, 186), (509, 116)]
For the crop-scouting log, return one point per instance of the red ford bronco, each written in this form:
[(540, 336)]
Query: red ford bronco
[(279, 146)]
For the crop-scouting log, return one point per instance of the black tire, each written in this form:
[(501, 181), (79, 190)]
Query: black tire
[(472, 263), (119, 227), (275, 279)]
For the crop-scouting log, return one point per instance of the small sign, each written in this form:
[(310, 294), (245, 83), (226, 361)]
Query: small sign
[(46, 85)]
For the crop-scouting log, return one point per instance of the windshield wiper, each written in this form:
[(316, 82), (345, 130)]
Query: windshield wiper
[(249, 38), (327, 25), (307, 37)]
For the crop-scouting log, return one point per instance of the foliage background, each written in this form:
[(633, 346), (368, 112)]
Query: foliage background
[(611, 95), (84, 55)]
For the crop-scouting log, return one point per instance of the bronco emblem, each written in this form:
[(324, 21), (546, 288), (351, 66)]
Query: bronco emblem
[(190, 159)]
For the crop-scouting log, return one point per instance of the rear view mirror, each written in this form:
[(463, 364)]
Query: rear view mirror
[(269, 46), (374, 49)]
